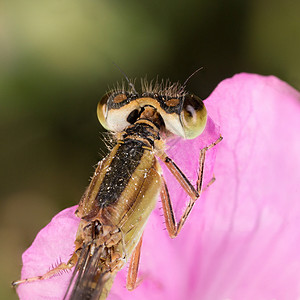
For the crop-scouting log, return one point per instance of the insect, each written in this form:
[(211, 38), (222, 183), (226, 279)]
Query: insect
[(124, 188)]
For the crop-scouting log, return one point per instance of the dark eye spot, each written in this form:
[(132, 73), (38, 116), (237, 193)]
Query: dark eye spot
[(132, 117)]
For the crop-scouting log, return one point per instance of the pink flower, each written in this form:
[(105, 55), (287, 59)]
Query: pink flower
[(242, 239)]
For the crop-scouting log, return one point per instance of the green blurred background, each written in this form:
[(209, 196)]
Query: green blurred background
[(56, 61)]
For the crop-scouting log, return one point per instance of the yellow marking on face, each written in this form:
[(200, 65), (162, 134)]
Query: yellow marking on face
[(185, 116)]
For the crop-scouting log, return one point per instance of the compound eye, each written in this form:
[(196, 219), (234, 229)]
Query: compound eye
[(193, 116), (102, 110)]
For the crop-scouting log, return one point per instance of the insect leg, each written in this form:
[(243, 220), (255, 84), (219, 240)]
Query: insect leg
[(131, 283), (210, 183), (173, 227), (61, 267)]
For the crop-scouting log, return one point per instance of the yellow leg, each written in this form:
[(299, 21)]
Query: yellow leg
[(131, 283), (173, 227), (62, 266)]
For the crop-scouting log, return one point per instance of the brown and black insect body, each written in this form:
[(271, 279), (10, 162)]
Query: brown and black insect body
[(126, 183)]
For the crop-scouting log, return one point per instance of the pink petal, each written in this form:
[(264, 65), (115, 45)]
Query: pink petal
[(53, 244), (241, 240), (249, 247)]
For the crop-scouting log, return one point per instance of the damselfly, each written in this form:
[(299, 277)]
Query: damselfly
[(125, 186)]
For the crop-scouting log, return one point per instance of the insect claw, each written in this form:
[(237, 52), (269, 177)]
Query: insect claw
[(14, 283)]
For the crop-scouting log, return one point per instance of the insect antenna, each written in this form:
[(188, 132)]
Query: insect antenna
[(186, 81), (127, 79)]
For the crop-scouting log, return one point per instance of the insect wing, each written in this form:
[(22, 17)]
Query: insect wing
[(87, 282)]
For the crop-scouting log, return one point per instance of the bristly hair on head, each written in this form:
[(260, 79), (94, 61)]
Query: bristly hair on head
[(164, 88)]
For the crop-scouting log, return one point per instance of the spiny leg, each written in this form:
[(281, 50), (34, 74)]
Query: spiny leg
[(173, 227), (61, 267), (209, 183), (131, 282)]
